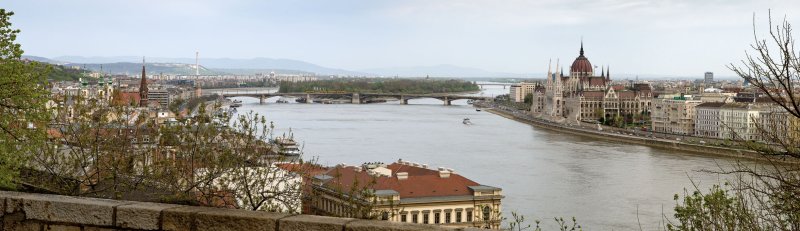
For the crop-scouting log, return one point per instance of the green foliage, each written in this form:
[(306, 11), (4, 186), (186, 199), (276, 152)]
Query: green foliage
[(378, 85), (23, 117), (716, 210), (528, 98), (62, 73)]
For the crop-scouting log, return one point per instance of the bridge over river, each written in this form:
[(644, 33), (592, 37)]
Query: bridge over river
[(355, 98)]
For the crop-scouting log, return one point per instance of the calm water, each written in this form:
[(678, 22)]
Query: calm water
[(543, 174)]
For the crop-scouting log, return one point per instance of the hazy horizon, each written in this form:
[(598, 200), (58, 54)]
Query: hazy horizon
[(649, 37)]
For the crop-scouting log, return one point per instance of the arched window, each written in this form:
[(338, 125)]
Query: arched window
[(486, 212), (385, 215)]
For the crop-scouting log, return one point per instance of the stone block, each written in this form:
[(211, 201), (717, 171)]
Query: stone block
[(377, 225), (54, 208), (180, 218), (92, 228), (237, 219), (16, 203), (312, 223), (16, 222), (61, 228), (141, 215)]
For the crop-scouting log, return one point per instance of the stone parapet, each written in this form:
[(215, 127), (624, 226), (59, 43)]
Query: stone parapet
[(37, 212)]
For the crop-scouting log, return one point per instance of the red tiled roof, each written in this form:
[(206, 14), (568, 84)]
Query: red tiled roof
[(593, 94), (421, 182), (597, 81), (125, 98), (627, 94)]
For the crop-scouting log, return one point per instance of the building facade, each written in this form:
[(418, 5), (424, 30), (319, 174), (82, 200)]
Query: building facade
[(674, 115), (585, 96), (518, 91), (407, 192)]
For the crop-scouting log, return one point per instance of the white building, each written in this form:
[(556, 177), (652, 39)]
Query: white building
[(520, 90), (707, 122), (729, 120), (674, 115)]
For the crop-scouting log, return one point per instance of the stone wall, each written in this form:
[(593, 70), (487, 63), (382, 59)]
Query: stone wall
[(39, 212)]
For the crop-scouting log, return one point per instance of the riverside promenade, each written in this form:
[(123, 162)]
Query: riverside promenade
[(621, 135)]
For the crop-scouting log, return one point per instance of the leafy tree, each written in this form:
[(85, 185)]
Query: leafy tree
[(23, 117), (529, 98), (762, 196)]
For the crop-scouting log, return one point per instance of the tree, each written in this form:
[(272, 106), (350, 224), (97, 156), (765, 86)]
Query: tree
[(762, 196), (529, 98), (23, 117)]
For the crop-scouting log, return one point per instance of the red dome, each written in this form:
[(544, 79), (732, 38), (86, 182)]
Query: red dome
[(581, 64)]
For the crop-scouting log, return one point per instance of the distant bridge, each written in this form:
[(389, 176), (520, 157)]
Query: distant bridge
[(481, 85), (356, 98)]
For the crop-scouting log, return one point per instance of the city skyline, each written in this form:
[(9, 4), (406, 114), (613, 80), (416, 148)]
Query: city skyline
[(674, 38)]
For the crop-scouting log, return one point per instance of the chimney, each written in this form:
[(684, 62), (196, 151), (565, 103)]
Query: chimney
[(402, 175), (425, 166), (444, 173)]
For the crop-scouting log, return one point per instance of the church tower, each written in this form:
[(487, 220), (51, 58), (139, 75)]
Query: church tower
[(143, 88)]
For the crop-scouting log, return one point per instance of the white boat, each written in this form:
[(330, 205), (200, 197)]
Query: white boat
[(287, 147), (236, 103), (466, 121)]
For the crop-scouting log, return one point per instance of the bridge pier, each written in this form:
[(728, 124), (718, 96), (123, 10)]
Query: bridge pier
[(446, 101), (356, 98), (261, 99), (403, 100), (308, 98)]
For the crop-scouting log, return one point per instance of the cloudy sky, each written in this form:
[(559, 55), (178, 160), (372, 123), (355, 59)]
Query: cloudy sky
[(666, 37)]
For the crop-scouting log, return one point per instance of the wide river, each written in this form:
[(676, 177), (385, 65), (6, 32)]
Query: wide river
[(543, 174)]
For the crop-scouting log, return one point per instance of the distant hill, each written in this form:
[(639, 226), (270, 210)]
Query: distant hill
[(152, 68), (41, 59), (235, 65), (438, 71)]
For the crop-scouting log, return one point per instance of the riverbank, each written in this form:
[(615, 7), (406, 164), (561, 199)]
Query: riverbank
[(651, 142)]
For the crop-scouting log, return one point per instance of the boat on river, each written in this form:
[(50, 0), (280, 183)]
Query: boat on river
[(287, 147), (466, 121), (236, 103)]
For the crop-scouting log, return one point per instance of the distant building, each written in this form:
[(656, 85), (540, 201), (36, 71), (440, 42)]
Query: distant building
[(585, 96), (709, 78), (520, 90), (161, 96), (674, 115), (707, 122), (408, 192), (143, 92), (730, 120)]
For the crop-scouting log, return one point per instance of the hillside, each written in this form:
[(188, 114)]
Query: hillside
[(152, 68)]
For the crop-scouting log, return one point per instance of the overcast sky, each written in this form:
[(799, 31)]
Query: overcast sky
[(669, 37)]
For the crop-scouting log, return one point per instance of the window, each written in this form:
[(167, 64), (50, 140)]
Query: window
[(458, 217), (425, 218), (403, 218), (469, 216), (414, 218), (486, 213), (436, 218), (385, 215), (447, 218)]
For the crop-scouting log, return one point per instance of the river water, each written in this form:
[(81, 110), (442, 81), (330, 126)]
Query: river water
[(543, 174)]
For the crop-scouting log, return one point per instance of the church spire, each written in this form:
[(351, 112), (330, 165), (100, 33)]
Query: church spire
[(143, 87), (581, 46), (602, 71), (608, 73)]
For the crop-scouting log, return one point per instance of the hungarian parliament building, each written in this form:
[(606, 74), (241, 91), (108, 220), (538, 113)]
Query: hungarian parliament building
[(585, 96)]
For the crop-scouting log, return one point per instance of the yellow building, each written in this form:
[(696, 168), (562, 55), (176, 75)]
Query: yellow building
[(406, 192)]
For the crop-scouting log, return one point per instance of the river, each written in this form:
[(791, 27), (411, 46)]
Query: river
[(543, 174)]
